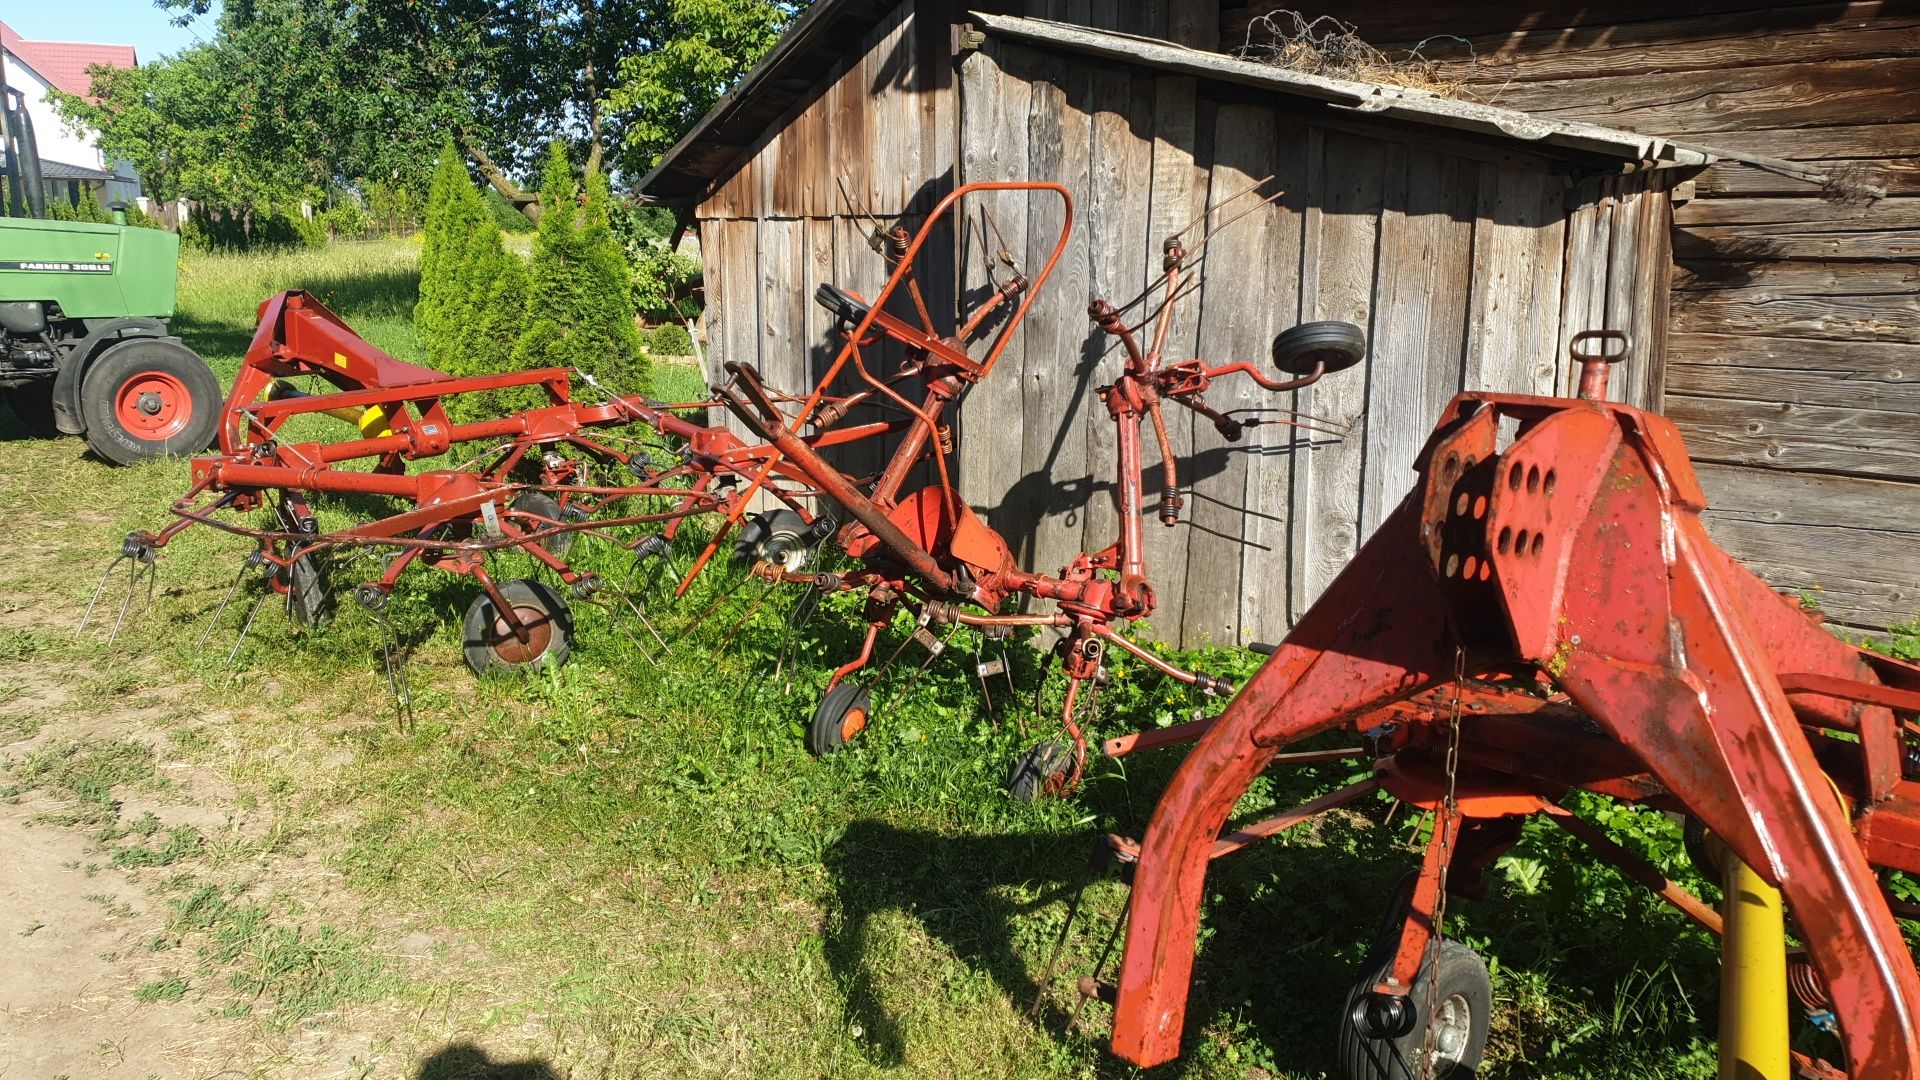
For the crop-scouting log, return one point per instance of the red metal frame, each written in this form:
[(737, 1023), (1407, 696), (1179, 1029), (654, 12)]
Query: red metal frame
[(1562, 577)]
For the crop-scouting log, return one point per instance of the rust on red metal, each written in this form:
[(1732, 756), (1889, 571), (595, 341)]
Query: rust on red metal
[(1574, 556)]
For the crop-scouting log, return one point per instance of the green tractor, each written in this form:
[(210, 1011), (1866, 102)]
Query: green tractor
[(84, 344)]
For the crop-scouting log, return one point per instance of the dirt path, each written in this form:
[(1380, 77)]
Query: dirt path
[(164, 914)]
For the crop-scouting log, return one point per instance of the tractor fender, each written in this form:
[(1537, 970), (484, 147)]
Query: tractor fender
[(73, 366)]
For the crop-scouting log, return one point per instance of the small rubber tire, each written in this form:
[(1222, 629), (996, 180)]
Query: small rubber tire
[(144, 398), (1466, 1008), (32, 405), (309, 600), (489, 644), (840, 717), (774, 536), (1336, 345), (542, 505), (1041, 772)]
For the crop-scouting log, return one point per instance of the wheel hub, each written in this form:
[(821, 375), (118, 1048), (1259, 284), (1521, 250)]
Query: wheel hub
[(1452, 1026), (509, 648), (153, 405)]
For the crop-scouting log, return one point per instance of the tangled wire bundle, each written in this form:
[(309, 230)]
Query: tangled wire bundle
[(1327, 46)]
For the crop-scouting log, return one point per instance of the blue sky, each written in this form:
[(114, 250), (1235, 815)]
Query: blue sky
[(109, 22)]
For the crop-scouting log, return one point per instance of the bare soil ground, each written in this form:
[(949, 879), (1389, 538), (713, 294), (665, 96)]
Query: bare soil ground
[(162, 915)]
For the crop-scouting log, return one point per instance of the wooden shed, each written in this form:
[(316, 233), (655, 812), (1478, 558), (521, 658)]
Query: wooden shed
[(1470, 241), (1793, 351)]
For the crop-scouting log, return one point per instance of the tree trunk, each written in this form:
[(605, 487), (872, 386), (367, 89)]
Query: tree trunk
[(525, 201)]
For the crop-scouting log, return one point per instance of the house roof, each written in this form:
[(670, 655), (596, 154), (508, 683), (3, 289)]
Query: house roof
[(831, 29), (64, 64), (60, 170)]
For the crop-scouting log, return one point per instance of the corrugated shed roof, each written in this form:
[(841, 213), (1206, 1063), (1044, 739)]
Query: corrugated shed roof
[(64, 64)]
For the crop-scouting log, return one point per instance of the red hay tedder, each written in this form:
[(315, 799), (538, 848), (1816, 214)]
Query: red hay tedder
[(1546, 612), (916, 546)]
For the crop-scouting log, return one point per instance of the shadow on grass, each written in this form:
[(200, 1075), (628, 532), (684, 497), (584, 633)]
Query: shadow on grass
[(465, 1061), (1282, 938)]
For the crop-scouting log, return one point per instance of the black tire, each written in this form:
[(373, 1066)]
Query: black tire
[(1465, 1000), (839, 718), (1041, 772), (309, 600), (542, 505), (1337, 345), (489, 644), (32, 405), (774, 536), (185, 404)]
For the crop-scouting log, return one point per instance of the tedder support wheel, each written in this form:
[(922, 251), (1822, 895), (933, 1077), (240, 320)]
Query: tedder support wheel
[(542, 505), (308, 598), (1336, 346), (841, 715), (1040, 772), (32, 405), (489, 642), (145, 398), (1462, 1008)]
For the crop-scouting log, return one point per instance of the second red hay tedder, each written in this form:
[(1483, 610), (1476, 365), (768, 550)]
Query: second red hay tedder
[(1543, 613)]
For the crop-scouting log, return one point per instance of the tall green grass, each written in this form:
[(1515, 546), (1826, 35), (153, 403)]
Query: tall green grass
[(661, 878)]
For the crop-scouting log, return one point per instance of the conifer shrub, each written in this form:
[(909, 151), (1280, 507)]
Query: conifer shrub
[(580, 311)]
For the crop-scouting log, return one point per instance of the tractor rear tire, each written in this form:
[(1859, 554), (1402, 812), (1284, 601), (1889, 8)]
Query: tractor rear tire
[(1464, 1006), (145, 398), (32, 405)]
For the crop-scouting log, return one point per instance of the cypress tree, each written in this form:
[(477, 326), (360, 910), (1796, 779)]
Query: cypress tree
[(579, 293), (442, 252)]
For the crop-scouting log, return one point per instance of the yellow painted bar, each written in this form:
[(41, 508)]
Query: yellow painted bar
[(1753, 977)]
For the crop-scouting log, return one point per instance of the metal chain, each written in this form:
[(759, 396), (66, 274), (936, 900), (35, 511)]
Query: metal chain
[(1443, 821)]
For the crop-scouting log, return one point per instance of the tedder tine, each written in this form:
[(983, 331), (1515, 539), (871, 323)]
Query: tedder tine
[(394, 662), (247, 627), (803, 611), (97, 590), (252, 562)]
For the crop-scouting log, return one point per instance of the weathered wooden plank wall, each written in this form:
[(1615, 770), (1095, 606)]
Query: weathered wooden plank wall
[(1793, 362), (1465, 269), (1431, 252)]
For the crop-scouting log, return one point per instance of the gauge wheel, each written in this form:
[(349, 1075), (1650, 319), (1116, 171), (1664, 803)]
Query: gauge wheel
[(1042, 772), (490, 643), (543, 506), (308, 599), (32, 404), (1333, 345), (841, 715), (1382, 1048), (145, 398)]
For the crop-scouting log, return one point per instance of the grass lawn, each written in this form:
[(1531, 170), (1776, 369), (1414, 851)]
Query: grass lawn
[(637, 870)]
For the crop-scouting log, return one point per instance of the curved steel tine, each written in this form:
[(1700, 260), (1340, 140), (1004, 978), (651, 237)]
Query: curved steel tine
[(1106, 953), (803, 611), (934, 652), (138, 568), (247, 627), (221, 609), (395, 664), (1051, 968), (740, 623), (98, 590), (615, 620)]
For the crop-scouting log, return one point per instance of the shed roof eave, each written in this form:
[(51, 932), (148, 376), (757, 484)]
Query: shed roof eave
[(804, 31), (1400, 103)]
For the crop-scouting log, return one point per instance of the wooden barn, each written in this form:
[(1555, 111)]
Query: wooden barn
[(1470, 240)]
